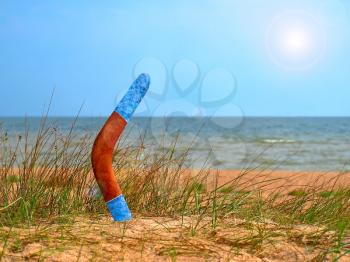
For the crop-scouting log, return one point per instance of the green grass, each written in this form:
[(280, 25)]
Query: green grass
[(47, 180), (298, 193)]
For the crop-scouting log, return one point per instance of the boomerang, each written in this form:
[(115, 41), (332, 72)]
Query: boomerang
[(102, 151)]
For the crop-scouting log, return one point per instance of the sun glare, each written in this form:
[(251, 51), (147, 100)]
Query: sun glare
[(295, 40)]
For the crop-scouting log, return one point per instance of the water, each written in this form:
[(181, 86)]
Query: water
[(264, 142)]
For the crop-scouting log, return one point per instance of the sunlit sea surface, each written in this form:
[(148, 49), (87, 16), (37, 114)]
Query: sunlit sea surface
[(304, 143)]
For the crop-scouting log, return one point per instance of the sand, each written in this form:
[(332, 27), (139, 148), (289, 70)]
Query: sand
[(265, 180), (164, 239), (276, 180), (183, 238)]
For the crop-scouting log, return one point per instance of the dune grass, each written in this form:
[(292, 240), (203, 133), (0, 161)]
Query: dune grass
[(47, 181)]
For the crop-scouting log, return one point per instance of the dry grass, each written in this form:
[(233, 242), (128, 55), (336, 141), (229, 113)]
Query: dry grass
[(47, 211), (164, 238)]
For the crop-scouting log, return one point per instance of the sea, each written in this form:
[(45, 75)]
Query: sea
[(284, 143)]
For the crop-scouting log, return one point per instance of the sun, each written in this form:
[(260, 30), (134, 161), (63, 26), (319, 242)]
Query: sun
[(295, 40)]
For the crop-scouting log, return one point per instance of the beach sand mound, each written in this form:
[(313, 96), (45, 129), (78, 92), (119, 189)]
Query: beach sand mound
[(165, 239)]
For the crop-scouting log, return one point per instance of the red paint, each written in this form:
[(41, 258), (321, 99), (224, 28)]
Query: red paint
[(102, 154)]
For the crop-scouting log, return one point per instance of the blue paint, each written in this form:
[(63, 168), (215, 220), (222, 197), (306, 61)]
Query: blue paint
[(133, 97), (119, 209)]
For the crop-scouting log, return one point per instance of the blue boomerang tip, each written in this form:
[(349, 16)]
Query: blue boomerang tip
[(133, 97), (119, 209)]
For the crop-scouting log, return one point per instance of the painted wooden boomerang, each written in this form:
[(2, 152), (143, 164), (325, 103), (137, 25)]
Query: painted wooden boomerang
[(102, 151)]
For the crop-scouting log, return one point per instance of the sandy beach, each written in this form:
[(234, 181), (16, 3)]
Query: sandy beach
[(266, 181), (277, 180), (167, 239), (183, 238)]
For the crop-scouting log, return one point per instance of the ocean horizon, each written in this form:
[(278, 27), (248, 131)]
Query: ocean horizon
[(285, 143)]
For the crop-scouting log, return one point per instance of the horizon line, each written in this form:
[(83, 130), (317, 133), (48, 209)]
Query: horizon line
[(248, 116)]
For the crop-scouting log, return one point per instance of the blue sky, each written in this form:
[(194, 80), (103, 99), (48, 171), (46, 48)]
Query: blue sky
[(279, 58)]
